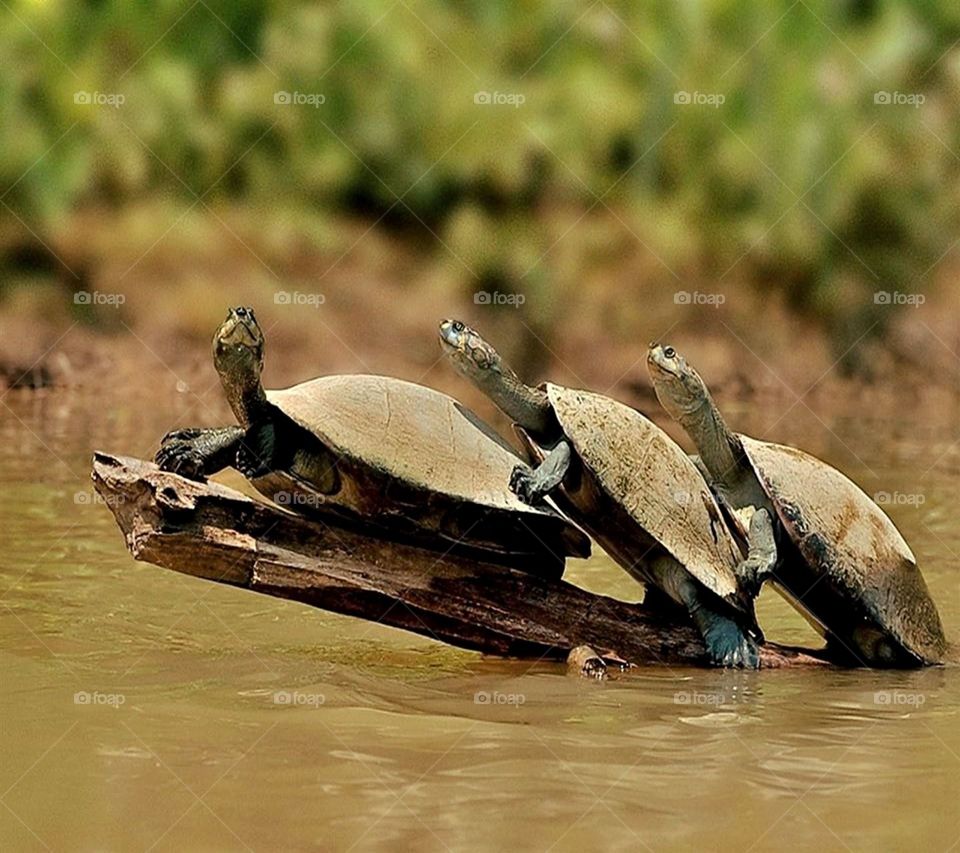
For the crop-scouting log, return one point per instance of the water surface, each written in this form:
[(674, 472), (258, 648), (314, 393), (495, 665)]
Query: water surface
[(140, 708)]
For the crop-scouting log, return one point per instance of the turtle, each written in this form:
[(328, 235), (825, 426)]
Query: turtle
[(373, 451), (841, 561), (627, 483)]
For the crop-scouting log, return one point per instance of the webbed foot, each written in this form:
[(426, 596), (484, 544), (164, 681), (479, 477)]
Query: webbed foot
[(727, 644), (524, 484), (180, 456), (197, 453), (530, 485)]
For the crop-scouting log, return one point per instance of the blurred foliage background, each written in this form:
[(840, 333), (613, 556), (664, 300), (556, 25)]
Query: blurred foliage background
[(314, 130)]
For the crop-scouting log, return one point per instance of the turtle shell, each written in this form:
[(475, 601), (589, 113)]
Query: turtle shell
[(844, 536), (407, 452), (641, 470)]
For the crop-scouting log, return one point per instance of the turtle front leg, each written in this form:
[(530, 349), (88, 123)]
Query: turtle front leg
[(531, 485), (198, 453), (761, 554)]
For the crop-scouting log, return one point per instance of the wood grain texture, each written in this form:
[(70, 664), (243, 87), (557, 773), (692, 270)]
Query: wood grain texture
[(210, 531)]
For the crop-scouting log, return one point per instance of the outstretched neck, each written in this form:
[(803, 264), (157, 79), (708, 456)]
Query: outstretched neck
[(526, 406), (246, 397), (720, 450)]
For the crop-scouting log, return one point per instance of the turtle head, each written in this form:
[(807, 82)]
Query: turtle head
[(687, 400), (479, 362), (679, 387), (238, 357), (470, 354)]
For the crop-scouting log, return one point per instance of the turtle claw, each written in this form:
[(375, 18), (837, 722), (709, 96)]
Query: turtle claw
[(178, 454), (523, 484), (180, 457), (250, 464), (728, 645)]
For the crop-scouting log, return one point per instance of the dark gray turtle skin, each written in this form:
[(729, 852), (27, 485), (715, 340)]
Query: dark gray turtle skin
[(842, 562), (372, 451), (628, 484)]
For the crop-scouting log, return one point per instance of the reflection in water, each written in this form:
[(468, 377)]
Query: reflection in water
[(142, 707)]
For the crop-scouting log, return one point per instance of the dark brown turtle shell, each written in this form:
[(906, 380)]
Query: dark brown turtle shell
[(850, 545)]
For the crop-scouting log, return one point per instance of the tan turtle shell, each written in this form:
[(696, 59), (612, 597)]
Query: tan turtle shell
[(640, 469), (407, 451), (844, 536)]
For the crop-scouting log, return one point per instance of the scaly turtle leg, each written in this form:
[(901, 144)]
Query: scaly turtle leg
[(531, 485), (198, 453), (726, 641), (761, 555)]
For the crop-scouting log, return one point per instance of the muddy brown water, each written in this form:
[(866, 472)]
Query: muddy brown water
[(142, 709)]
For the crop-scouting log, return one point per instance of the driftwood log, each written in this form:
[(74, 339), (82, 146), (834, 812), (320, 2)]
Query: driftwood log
[(210, 531)]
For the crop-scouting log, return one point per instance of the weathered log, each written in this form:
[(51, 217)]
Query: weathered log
[(210, 531)]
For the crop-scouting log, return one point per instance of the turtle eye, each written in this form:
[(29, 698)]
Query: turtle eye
[(669, 352)]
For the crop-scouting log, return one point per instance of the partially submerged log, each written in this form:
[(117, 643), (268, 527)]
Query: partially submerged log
[(210, 531)]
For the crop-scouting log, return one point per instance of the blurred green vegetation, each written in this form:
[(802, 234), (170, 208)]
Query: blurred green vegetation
[(799, 181)]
